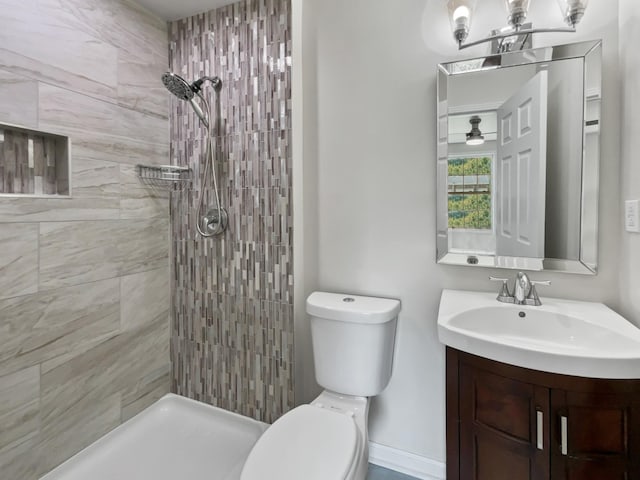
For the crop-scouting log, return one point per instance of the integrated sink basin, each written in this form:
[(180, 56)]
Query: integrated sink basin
[(561, 336)]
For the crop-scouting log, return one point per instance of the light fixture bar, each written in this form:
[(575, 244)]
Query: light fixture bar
[(517, 35), (523, 31)]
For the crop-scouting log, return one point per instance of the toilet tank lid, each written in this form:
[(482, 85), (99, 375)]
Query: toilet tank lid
[(352, 308)]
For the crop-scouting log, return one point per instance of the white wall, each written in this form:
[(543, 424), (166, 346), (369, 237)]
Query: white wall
[(370, 106), (305, 191), (630, 172)]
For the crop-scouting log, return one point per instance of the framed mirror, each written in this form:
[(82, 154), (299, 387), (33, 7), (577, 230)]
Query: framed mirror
[(518, 159)]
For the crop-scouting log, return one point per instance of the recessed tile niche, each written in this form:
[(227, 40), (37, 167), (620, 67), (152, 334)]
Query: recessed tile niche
[(33, 163)]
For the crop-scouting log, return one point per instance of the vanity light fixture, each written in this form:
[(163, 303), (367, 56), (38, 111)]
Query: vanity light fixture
[(460, 13), (475, 137), (517, 34)]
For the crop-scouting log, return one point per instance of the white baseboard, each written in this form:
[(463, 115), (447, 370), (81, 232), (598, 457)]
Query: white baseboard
[(405, 462)]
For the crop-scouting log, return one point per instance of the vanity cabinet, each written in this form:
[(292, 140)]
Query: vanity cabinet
[(511, 423)]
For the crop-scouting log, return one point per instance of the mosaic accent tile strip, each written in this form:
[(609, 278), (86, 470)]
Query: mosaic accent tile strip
[(232, 327)]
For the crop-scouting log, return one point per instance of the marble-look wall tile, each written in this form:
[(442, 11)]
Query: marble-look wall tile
[(18, 100), (18, 259), (115, 365), (75, 427), (96, 180), (19, 405), (17, 459), (139, 199), (78, 252), (118, 149), (84, 332), (139, 37), (58, 324), (146, 393), (145, 298), (125, 24), (139, 84), (16, 209), (75, 60), (93, 115)]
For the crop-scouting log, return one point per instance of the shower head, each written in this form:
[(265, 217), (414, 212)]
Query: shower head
[(179, 87)]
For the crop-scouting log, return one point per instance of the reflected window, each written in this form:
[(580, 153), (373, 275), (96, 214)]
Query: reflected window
[(469, 188)]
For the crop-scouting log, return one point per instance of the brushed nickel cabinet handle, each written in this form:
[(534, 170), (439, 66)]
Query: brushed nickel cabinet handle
[(540, 430), (563, 434)]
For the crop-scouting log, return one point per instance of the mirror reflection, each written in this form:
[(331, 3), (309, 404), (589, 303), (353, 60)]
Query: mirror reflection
[(518, 159)]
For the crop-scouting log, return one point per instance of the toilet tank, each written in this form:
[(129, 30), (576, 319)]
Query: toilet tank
[(353, 339)]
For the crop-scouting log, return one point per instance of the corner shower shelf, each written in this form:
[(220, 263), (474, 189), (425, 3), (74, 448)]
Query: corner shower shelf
[(164, 175)]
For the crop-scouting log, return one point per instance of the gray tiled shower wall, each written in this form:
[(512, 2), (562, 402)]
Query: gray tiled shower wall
[(84, 280), (232, 327)]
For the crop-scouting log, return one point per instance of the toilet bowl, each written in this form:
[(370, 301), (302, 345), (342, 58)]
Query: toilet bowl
[(353, 339)]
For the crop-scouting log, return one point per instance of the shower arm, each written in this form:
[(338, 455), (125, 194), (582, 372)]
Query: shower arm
[(215, 82)]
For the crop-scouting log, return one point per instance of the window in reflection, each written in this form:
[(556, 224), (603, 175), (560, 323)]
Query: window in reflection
[(469, 188)]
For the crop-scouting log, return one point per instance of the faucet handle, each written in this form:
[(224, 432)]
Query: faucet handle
[(533, 298), (504, 294), (496, 279)]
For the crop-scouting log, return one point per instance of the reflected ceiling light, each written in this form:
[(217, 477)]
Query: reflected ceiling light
[(475, 137), (516, 35)]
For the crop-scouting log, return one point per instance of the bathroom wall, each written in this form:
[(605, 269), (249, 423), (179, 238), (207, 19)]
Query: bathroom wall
[(373, 67), (630, 172), (232, 327), (304, 143), (84, 330)]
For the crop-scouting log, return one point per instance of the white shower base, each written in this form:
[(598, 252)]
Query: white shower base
[(175, 438)]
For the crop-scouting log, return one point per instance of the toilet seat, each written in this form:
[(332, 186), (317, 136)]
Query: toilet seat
[(309, 442)]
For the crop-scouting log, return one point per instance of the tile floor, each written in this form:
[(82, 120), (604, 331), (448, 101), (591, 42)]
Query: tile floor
[(379, 473)]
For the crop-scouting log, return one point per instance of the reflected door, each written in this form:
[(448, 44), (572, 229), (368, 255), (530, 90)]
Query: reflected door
[(521, 171)]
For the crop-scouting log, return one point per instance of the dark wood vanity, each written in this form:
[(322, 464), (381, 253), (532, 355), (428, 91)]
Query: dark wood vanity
[(511, 423)]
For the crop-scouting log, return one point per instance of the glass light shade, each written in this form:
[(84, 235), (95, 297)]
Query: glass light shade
[(573, 10), (460, 14), (475, 141), (518, 10)]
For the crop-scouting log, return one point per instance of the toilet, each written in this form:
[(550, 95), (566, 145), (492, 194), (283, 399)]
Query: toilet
[(353, 340)]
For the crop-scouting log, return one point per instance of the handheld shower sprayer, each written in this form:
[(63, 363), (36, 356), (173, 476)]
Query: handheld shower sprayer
[(186, 91), (216, 220)]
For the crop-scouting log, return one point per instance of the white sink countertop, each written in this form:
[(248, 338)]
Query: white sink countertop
[(568, 337)]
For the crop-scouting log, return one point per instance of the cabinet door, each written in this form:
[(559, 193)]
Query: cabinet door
[(503, 428), (595, 436)]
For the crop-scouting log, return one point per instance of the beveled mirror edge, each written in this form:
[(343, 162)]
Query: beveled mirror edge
[(520, 57), (574, 267), (594, 54), (443, 256)]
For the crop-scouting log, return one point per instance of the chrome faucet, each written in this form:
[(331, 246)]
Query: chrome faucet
[(521, 288), (524, 290)]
